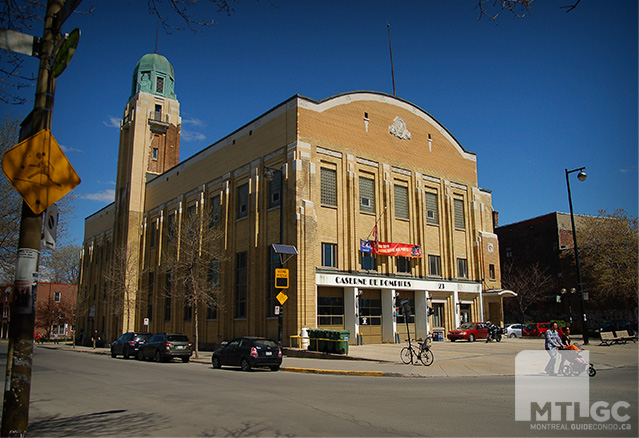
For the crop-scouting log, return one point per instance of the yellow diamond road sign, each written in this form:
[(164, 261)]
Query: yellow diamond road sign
[(282, 297), (39, 171)]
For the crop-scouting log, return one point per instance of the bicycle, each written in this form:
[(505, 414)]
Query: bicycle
[(422, 352)]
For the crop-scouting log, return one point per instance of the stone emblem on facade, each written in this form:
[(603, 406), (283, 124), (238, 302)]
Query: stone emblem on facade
[(398, 129)]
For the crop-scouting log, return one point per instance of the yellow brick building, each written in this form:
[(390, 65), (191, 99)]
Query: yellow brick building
[(349, 164)]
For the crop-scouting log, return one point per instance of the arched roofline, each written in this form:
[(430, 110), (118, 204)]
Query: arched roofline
[(378, 96)]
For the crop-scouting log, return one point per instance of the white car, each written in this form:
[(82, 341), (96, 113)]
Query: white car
[(514, 330)]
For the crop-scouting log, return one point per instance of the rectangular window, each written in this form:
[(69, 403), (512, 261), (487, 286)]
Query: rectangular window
[(401, 202), (491, 271), (241, 284), (462, 268), (329, 255), (57, 296), (275, 189), (211, 312), (403, 264), (214, 273), (401, 319), (155, 154), (170, 226), (271, 301), (367, 261), (188, 312), (366, 195), (215, 211), (242, 201), (432, 210), (434, 266), (152, 229), (158, 113), (460, 221), (329, 187), (330, 309)]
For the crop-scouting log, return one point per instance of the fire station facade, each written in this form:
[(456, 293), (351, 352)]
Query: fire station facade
[(379, 199)]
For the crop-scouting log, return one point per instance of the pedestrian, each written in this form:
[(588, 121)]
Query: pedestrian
[(95, 338), (552, 345), (55, 338)]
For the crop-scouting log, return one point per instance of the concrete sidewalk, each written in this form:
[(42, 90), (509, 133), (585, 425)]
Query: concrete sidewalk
[(452, 359)]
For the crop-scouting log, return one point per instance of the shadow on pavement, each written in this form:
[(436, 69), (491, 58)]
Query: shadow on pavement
[(109, 423)]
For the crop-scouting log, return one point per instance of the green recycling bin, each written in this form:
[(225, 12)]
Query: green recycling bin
[(321, 343), (341, 346), (331, 344)]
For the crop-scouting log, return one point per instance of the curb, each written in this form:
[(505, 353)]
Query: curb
[(335, 372)]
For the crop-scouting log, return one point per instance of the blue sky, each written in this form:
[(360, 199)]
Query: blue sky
[(530, 96)]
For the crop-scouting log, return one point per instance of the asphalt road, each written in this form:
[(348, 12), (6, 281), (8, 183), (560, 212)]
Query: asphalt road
[(94, 395)]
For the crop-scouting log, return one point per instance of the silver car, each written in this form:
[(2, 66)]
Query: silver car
[(514, 330)]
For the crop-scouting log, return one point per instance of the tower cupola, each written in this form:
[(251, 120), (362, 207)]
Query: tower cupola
[(154, 74)]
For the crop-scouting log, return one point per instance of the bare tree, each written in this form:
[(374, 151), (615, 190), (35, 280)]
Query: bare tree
[(193, 257), (608, 248), (121, 274), (530, 283), (50, 313), (518, 8), (10, 204), (63, 265)]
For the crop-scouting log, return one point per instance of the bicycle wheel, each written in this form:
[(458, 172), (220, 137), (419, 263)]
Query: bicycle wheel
[(427, 357), (407, 355)]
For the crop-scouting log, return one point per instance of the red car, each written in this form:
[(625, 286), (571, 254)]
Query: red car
[(469, 331), (539, 329)]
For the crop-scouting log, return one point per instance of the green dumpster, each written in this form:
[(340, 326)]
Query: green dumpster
[(312, 338), (331, 344), (341, 346), (321, 343)]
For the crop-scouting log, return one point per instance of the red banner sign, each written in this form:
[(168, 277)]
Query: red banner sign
[(396, 249)]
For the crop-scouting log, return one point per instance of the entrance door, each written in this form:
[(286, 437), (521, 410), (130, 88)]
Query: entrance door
[(370, 316), (464, 313)]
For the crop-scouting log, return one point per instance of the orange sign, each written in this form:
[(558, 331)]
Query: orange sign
[(39, 171)]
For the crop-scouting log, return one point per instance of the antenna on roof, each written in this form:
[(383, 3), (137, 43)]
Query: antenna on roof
[(391, 58), (157, 30)]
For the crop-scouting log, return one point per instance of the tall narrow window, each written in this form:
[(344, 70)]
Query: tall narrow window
[(168, 279), (215, 211), (460, 220), (275, 190), (403, 264), (491, 271), (462, 268), (241, 284), (158, 113), (432, 210), (242, 201), (152, 229), (366, 195), (401, 202), (368, 262), (149, 296), (329, 255), (329, 187), (155, 154), (434, 266), (160, 85), (170, 226)]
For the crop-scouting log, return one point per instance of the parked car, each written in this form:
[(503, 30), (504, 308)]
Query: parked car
[(612, 326), (539, 329), (514, 330), (163, 347), (128, 344), (248, 353), (470, 331)]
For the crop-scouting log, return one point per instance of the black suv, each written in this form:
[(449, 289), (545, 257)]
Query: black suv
[(164, 347), (129, 344), (249, 352)]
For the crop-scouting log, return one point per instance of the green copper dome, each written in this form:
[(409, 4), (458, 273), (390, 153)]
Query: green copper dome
[(154, 74)]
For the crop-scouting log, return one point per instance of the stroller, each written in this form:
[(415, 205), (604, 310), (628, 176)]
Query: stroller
[(575, 363)]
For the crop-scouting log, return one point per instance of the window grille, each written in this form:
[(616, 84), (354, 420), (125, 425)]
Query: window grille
[(366, 195), (432, 210), (401, 202), (242, 201), (329, 187), (460, 222)]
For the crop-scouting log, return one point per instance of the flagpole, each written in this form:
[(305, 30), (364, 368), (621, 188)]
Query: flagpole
[(376, 222)]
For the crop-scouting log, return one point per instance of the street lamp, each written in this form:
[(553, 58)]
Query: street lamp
[(269, 175), (581, 176)]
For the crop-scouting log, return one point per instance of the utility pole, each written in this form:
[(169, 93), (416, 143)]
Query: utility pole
[(15, 412)]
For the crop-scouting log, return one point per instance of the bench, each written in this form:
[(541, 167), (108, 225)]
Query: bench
[(625, 336), (608, 338)]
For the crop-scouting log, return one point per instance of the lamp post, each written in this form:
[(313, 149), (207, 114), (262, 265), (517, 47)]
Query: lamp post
[(581, 176), (572, 291), (269, 174)]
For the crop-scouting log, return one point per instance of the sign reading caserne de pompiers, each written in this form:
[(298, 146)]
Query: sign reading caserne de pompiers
[(398, 283)]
